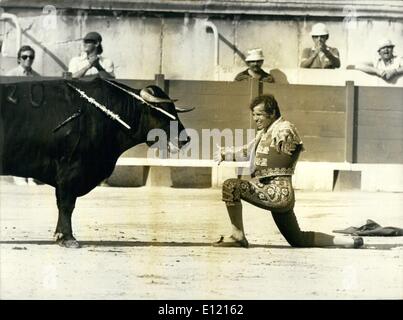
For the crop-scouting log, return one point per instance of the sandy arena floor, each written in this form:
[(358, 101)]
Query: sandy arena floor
[(143, 243)]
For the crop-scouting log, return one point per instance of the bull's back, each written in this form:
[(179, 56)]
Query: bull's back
[(29, 113)]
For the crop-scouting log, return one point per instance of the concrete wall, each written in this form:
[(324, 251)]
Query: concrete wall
[(178, 45)]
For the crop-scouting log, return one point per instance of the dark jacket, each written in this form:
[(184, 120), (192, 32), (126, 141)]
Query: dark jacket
[(264, 76)]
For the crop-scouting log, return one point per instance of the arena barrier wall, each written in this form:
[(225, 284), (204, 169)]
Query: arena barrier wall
[(352, 134)]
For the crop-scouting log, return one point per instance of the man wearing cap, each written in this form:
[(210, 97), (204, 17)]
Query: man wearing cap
[(387, 66), (254, 60), (91, 62), (320, 56)]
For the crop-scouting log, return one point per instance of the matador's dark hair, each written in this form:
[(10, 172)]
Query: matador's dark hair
[(270, 104)]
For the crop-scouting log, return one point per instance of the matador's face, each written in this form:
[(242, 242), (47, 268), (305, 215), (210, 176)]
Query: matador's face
[(261, 117)]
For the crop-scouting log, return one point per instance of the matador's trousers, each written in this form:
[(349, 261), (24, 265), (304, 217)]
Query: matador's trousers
[(277, 195)]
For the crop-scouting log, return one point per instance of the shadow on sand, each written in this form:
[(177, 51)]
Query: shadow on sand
[(116, 244), (113, 243)]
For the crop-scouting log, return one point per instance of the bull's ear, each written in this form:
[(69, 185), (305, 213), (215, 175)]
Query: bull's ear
[(183, 110)]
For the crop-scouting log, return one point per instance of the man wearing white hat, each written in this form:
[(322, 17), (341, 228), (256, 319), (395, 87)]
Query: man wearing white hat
[(320, 56), (254, 60), (387, 66)]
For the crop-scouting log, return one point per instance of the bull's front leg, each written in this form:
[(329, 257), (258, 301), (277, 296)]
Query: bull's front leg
[(64, 232)]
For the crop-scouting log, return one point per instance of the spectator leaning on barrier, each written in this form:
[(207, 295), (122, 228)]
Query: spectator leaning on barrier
[(254, 60), (320, 56), (273, 156), (25, 60), (91, 62), (387, 66)]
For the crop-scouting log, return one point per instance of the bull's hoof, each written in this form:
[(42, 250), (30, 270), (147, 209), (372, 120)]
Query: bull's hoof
[(66, 243), (70, 244)]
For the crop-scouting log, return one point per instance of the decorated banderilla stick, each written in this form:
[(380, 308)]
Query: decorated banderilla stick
[(69, 119), (101, 107)]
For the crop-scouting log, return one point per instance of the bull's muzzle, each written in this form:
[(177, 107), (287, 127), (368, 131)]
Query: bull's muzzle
[(178, 145), (181, 144)]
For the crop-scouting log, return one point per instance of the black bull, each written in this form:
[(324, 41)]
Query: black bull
[(73, 156)]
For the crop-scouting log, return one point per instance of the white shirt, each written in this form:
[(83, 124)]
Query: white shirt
[(395, 63), (78, 63), (21, 72)]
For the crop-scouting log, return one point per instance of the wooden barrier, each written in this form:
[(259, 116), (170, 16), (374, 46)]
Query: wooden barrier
[(337, 123), (350, 124), (379, 125), (354, 124), (319, 115)]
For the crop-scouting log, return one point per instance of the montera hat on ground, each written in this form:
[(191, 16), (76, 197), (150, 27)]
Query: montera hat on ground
[(93, 36), (255, 55), (385, 43), (319, 29)]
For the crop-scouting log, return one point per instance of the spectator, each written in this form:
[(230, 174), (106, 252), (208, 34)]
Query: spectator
[(91, 62), (387, 66), (25, 60), (320, 56), (254, 60)]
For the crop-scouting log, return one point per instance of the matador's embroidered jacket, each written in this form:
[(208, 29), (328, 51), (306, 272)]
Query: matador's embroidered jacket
[(273, 152)]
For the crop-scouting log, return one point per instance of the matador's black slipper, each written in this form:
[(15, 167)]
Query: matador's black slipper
[(231, 242)]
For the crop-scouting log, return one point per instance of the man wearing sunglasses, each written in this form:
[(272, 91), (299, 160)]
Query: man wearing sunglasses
[(91, 62), (320, 56), (25, 59)]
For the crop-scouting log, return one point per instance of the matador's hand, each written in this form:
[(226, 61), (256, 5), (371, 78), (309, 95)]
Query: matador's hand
[(218, 155)]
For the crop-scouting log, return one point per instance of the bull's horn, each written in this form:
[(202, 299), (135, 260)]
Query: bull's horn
[(150, 98), (182, 110)]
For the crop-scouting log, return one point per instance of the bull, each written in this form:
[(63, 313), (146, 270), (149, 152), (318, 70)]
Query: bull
[(70, 133)]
